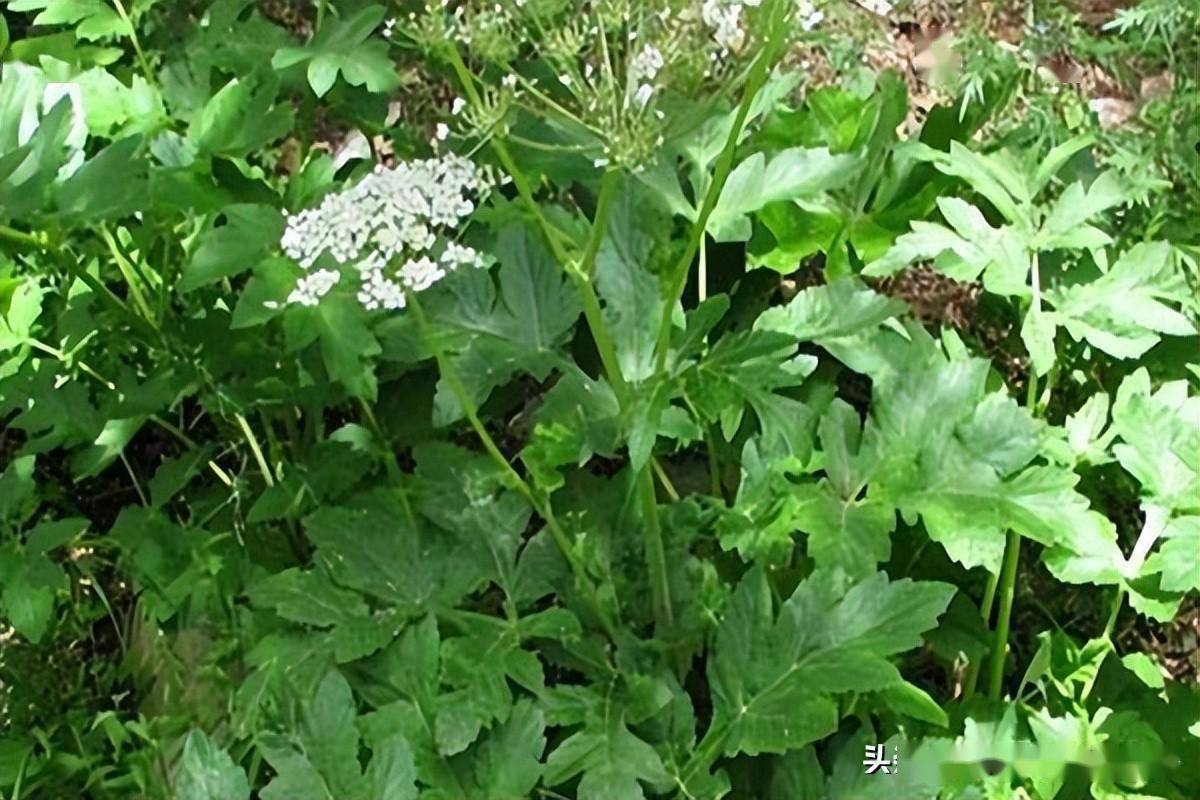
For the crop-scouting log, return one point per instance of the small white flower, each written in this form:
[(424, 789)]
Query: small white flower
[(443, 130), (458, 105), (643, 94), (457, 255), (646, 64), (312, 287), (509, 81), (419, 274)]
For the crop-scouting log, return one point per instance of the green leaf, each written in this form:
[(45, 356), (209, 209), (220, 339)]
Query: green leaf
[(92, 19), (341, 45), (112, 184), (1057, 158), (206, 772), (912, 701), (1146, 668), (958, 457), (773, 677), (175, 473), (1160, 441), (508, 762), (1064, 226), (265, 294), (747, 370), (247, 233), (993, 175), (320, 758), (612, 760), (497, 328), (18, 489), (824, 314), (1128, 309), (791, 174), (1178, 558), (20, 307), (391, 774), (632, 296), (240, 118), (29, 583), (851, 534), (376, 548), (108, 446), (962, 252), (311, 598)]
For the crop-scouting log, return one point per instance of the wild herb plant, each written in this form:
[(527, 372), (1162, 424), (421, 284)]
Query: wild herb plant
[(408, 402)]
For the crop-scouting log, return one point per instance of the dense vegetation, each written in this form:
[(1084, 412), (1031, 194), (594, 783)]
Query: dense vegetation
[(600, 400)]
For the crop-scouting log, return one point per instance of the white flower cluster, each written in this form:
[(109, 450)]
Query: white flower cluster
[(643, 69), (646, 64), (395, 215), (724, 17)]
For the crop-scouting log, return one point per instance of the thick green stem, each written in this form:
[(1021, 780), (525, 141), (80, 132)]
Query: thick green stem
[(985, 611), (654, 552), (36, 241), (1008, 584), (678, 274), (582, 274)]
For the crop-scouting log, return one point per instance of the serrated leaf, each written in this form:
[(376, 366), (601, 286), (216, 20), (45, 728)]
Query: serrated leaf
[(499, 327), (376, 548), (747, 370), (341, 45), (1127, 310), (612, 760), (93, 19), (773, 677)]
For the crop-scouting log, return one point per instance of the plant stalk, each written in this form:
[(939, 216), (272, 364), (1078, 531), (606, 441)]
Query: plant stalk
[(450, 376), (1008, 584), (724, 165)]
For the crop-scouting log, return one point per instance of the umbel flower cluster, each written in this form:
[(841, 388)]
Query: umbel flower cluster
[(393, 227)]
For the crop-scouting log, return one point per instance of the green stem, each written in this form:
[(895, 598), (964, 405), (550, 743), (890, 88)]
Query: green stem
[(678, 275), (1008, 583), (37, 241), (513, 478), (985, 611), (1118, 602), (1012, 546), (128, 273), (664, 479), (259, 458), (139, 54), (705, 753), (582, 274), (655, 553)]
